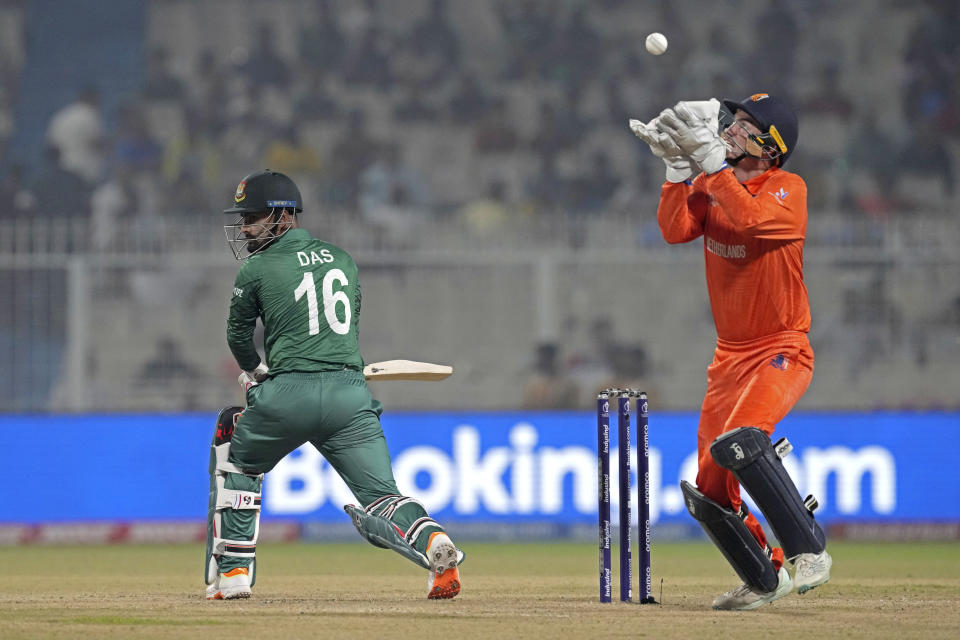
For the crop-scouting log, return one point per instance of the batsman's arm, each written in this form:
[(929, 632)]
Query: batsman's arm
[(777, 212), (244, 311), (681, 213)]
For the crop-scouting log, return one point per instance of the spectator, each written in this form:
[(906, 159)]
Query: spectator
[(15, 198), (487, 214), (352, 152), (494, 132), (161, 83), (874, 324), (265, 66), (77, 132), (59, 192), (434, 35), (205, 94), (775, 29), (394, 197), (288, 154), (357, 17), (469, 101), (933, 161), (114, 204), (575, 52), (595, 188), (134, 147), (424, 68), (187, 196), (548, 386), (617, 109), (873, 161), (245, 140), (194, 151), (548, 190), (322, 44), (168, 372), (529, 31), (316, 103), (570, 119), (704, 68), (629, 368), (368, 64), (941, 328), (931, 57), (168, 365), (592, 368), (551, 137), (831, 98), (412, 105)]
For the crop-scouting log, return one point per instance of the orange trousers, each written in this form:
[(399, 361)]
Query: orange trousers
[(749, 384)]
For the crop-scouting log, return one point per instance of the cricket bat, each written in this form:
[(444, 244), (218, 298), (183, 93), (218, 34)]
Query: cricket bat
[(406, 370)]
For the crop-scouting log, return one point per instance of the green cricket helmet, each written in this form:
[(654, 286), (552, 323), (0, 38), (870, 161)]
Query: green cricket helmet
[(264, 193)]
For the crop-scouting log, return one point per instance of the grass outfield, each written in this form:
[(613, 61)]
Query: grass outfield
[(521, 590)]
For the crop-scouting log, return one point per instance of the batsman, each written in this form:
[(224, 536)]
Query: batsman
[(725, 181), (311, 389)]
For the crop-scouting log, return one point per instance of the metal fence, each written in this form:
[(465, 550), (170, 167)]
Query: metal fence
[(528, 319)]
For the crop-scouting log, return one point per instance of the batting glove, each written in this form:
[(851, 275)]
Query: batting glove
[(679, 166), (250, 379)]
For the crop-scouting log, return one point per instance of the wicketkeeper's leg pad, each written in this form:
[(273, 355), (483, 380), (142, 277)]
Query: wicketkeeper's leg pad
[(246, 497), (757, 465), (728, 531), (375, 524)]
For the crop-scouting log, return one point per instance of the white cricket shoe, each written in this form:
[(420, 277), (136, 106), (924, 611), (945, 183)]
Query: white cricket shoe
[(444, 581), (812, 570), (743, 598), (230, 585)]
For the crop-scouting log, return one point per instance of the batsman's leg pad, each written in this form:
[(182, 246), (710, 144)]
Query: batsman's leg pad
[(382, 533), (730, 534), (376, 526), (222, 498), (756, 463)]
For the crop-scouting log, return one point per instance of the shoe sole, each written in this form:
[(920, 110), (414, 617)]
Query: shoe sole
[(236, 595), (446, 576), (807, 587), (781, 591)]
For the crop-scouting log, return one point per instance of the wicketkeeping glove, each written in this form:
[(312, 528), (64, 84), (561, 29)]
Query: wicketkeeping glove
[(679, 166), (249, 379), (693, 126)]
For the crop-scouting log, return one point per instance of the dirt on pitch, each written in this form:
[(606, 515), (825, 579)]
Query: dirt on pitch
[(510, 591)]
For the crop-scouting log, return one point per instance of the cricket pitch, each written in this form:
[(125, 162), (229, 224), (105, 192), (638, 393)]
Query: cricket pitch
[(528, 590)]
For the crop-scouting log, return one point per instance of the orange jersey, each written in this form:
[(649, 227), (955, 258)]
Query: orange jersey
[(753, 235)]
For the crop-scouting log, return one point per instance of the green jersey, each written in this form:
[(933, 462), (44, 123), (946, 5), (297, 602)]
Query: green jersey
[(307, 294)]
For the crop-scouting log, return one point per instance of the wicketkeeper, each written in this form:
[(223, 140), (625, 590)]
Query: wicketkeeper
[(311, 389), (730, 188)]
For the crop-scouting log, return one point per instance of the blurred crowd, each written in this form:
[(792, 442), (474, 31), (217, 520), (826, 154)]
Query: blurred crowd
[(449, 125), (534, 95)]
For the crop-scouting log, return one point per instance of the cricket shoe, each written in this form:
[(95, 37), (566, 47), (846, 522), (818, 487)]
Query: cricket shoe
[(743, 598), (444, 581), (231, 585), (812, 570)]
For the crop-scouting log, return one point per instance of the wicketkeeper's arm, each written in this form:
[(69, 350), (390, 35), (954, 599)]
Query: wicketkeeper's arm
[(681, 213)]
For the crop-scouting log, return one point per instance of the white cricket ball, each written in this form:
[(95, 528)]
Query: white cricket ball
[(656, 43)]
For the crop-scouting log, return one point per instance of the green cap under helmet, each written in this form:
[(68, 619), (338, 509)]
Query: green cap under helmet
[(263, 191)]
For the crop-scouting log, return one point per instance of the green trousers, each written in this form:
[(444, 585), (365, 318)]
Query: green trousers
[(335, 412)]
